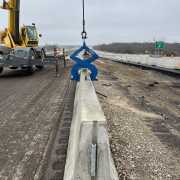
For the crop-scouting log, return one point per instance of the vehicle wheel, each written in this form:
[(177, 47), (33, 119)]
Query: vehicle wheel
[(1, 70), (39, 67), (30, 69)]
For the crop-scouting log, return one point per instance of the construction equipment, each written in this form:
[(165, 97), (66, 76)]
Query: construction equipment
[(21, 44)]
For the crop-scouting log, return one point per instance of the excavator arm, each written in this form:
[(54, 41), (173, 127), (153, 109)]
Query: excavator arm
[(14, 36), (13, 6)]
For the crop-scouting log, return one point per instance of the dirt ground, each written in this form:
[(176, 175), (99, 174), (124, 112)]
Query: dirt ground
[(143, 112), (29, 109)]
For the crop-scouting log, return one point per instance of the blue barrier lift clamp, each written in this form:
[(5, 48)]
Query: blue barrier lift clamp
[(84, 63)]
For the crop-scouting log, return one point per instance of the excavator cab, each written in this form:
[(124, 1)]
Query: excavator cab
[(30, 36)]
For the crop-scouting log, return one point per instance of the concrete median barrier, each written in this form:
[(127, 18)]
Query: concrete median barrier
[(89, 155)]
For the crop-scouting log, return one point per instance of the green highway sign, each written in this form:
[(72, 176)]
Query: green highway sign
[(159, 45)]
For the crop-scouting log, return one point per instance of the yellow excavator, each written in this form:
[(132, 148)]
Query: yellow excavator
[(19, 46)]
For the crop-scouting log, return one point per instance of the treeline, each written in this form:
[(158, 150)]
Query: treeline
[(171, 49)]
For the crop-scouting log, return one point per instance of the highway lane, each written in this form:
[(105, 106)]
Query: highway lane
[(29, 111)]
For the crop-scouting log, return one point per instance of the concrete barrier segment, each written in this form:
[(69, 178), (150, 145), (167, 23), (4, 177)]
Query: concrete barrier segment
[(89, 156)]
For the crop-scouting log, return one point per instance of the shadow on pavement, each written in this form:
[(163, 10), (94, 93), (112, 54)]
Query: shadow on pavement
[(15, 73)]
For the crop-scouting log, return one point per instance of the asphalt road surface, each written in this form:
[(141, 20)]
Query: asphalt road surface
[(29, 111)]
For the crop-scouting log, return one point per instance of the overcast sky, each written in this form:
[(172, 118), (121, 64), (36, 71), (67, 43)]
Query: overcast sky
[(60, 21)]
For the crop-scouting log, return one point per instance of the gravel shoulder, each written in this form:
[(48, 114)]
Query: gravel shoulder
[(29, 109), (143, 112)]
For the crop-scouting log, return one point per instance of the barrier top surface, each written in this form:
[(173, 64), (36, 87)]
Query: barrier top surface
[(90, 108)]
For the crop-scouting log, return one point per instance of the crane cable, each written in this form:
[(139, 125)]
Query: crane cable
[(82, 62), (84, 33)]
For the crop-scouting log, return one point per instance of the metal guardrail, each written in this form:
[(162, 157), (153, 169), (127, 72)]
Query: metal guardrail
[(89, 156)]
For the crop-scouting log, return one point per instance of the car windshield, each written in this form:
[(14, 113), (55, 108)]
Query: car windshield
[(20, 53), (32, 33)]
